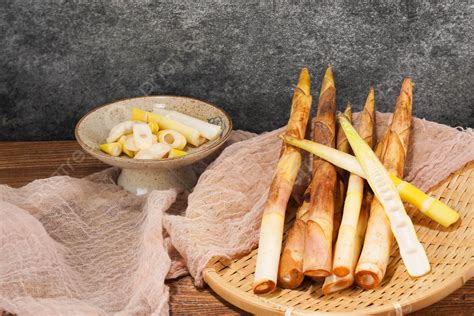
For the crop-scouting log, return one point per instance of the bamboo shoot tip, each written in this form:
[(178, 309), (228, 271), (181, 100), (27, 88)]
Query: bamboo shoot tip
[(305, 71), (408, 81), (329, 73), (328, 80), (304, 81)]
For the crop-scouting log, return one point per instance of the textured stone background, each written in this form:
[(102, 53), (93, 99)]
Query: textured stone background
[(61, 58)]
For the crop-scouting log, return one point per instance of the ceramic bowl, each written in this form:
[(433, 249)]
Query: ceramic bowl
[(140, 176)]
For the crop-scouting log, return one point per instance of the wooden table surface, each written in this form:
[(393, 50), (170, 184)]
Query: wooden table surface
[(22, 162)]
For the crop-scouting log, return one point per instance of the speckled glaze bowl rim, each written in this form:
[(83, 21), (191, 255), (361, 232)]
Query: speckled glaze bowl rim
[(211, 148)]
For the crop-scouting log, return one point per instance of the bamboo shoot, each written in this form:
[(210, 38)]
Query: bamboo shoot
[(317, 259), (271, 231), (334, 283), (342, 176), (290, 270), (344, 254)]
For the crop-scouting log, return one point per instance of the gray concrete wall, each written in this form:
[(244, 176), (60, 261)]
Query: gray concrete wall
[(61, 58)]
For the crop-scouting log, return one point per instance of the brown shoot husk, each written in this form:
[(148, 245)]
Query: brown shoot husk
[(391, 150), (367, 119), (342, 144), (317, 261), (290, 270), (280, 190)]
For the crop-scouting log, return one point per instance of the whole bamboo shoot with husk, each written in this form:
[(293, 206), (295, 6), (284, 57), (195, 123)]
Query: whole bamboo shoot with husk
[(271, 230), (387, 213), (428, 205), (342, 177), (334, 283), (344, 254), (317, 259), (290, 270)]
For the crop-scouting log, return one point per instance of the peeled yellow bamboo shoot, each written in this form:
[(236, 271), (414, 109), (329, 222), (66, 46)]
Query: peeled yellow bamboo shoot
[(290, 269), (317, 259), (344, 254), (430, 206), (271, 230)]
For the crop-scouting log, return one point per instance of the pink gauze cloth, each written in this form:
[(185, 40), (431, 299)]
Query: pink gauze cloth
[(86, 247)]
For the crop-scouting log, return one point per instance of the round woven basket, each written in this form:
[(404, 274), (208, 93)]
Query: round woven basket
[(450, 251)]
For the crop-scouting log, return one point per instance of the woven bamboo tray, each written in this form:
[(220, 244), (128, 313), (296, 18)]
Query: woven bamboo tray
[(450, 252)]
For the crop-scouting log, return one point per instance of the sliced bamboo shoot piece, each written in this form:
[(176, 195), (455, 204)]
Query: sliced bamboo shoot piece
[(119, 130), (192, 135), (122, 142), (139, 115), (207, 130), (172, 138), (142, 135), (113, 149), (175, 153), (411, 250), (201, 140), (156, 151), (430, 206), (154, 127), (129, 144), (159, 150)]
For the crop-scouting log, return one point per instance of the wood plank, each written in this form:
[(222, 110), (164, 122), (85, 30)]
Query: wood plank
[(186, 299), (22, 162)]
